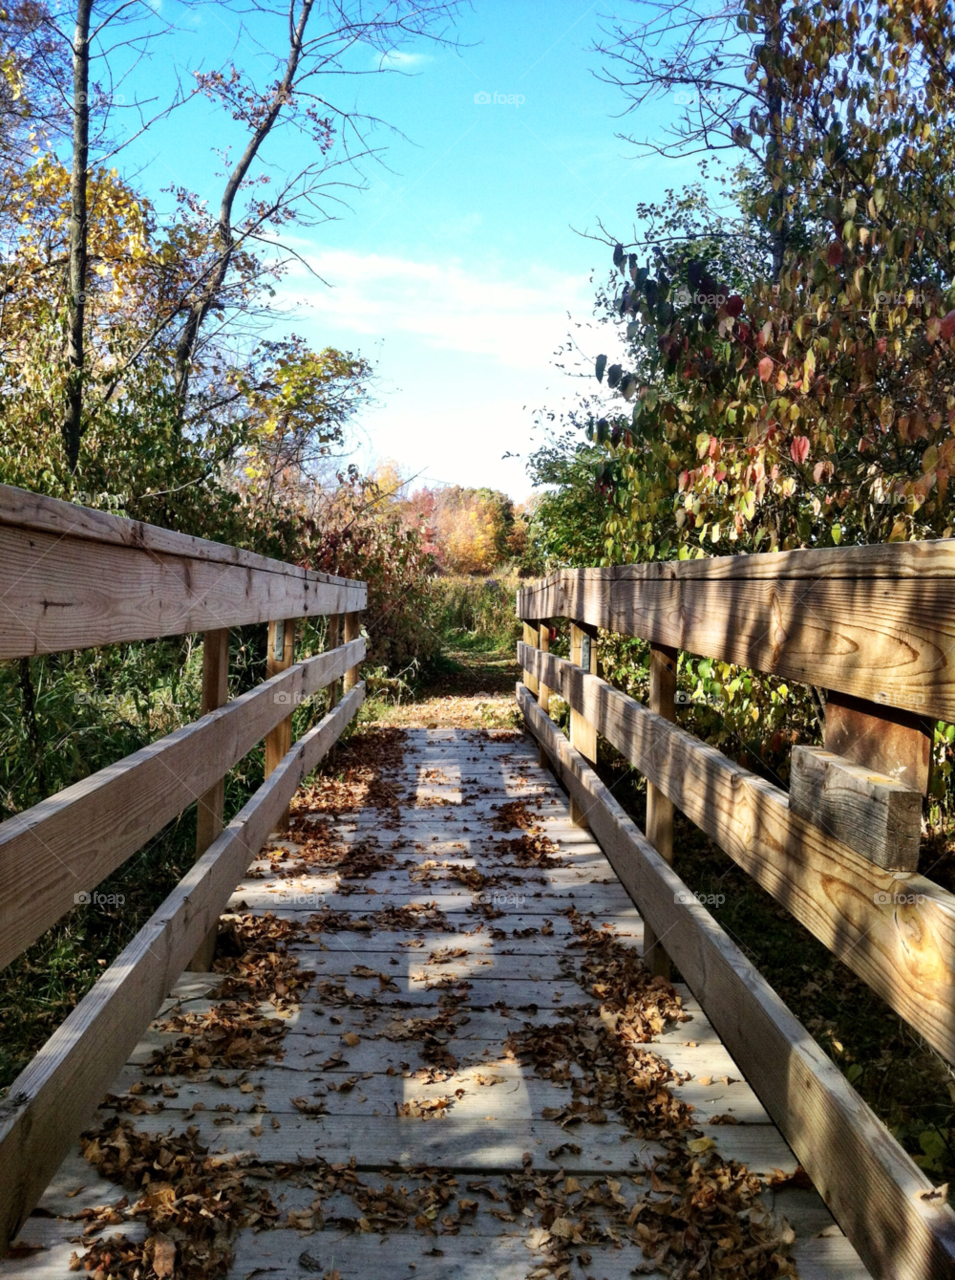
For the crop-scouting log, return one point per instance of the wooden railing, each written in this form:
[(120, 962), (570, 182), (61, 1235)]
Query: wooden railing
[(875, 628), (72, 578)]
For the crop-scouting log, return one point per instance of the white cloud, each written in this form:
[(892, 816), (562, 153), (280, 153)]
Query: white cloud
[(400, 60), (517, 320)]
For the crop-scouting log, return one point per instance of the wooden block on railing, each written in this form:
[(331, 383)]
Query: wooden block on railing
[(211, 805), (281, 655), (352, 632), (663, 664), (889, 740), (870, 812), (583, 734)]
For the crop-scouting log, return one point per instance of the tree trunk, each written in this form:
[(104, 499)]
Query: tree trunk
[(76, 302), (774, 105)]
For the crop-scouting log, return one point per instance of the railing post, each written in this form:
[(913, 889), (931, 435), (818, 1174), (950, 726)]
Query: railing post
[(543, 693), (352, 632), (281, 655), (530, 638), (583, 735), (211, 805), (663, 664), (332, 642)]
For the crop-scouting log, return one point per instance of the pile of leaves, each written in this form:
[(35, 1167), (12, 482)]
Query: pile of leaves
[(413, 917), (191, 1204), (252, 953), (701, 1215), (359, 781)]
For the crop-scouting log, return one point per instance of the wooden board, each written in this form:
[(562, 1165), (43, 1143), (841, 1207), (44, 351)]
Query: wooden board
[(876, 622), (64, 592), (65, 845), (870, 812), (41, 514), (895, 930), (51, 1100), (874, 1189)]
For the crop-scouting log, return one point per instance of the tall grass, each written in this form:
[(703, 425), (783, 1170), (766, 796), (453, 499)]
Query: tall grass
[(476, 614)]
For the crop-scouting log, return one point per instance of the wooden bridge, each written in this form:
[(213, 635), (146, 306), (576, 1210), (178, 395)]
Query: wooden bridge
[(394, 1022)]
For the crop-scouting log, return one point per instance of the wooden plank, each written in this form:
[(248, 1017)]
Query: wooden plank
[(885, 739), (531, 638), (42, 514), (852, 626), (68, 843), (62, 592), (871, 813), (872, 1187), (210, 807), (896, 931), (50, 1102), (583, 734), (663, 664), (280, 656), (352, 632)]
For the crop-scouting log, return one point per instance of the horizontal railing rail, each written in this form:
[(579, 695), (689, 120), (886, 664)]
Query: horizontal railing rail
[(874, 627), (73, 578)]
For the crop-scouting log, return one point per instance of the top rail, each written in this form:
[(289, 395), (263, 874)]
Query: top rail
[(73, 578), (876, 622)]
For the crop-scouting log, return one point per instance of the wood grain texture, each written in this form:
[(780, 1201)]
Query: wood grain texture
[(873, 814), (41, 514), (278, 740), (663, 663), (875, 622), (583, 734), (896, 931), (68, 843), (62, 592), (872, 1187), (889, 740), (531, 637), (210, 807), (352, 632), (50, 1102)]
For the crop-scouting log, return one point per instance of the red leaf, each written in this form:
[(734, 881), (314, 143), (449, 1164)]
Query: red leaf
[(834, 256), (948, 327), (734, 305), (799, 449), (765, 368)]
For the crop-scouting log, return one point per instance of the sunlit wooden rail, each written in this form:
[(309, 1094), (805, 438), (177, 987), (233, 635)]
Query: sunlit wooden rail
[(72, 578), (875, 628)]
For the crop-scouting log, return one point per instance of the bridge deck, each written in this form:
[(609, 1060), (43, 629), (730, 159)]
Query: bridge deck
[(420, 1057)]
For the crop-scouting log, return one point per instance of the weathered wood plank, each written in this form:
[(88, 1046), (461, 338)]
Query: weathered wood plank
[(51, 1100), (68, 843), (895, 930), (64, 592), (870, 812), (663, 663), (42, 514), (210, 807), (886, 739), (879, 625), (873, 1188)]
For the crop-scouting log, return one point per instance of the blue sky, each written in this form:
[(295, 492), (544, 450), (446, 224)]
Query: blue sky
[(455, 269)]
